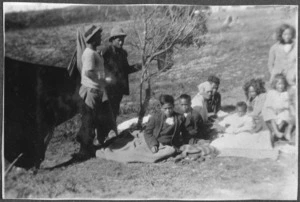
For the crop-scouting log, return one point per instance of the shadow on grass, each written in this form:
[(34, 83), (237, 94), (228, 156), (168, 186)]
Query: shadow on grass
[(228, 108), (116, 142)]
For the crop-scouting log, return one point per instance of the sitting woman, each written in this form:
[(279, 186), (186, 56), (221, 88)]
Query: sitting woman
[(276, 108), (256, 95), (165, 128), (199, 102)]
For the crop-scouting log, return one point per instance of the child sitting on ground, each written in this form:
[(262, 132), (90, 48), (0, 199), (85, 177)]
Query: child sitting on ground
[(165, 127), (238, 122), (193, 121), (276, 108)]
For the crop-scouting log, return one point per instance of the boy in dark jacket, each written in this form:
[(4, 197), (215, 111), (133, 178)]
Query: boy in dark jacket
[(193, 120), (165, 127)]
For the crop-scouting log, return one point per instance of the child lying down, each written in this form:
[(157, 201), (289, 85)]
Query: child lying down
[(236, 123)]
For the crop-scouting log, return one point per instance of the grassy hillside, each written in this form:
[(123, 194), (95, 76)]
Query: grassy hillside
[(235, 55), (65, 16)]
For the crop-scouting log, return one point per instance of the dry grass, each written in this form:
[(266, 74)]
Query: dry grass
[(235, 55)]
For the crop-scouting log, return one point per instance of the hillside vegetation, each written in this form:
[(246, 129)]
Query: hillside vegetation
[(65, 16)]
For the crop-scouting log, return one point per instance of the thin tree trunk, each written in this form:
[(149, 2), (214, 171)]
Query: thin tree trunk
[(144, 104)]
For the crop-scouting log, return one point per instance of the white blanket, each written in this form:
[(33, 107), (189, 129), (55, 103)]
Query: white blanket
[(126, 124), (256, 146)]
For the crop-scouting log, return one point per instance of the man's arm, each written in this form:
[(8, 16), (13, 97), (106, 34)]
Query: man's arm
[(198, 122), (131, 68)]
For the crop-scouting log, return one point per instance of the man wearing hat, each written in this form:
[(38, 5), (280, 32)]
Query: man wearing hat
[(93, 93), (117, 67)]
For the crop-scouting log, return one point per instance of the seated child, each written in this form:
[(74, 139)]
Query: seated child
[(276, 108), (193, 121), (237, 122), (165, 127)]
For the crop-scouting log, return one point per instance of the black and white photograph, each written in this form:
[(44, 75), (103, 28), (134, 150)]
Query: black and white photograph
[(165, 101)]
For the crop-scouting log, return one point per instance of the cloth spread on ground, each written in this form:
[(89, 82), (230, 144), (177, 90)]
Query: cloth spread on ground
[(127, 124), (250, 145), (133, 148)]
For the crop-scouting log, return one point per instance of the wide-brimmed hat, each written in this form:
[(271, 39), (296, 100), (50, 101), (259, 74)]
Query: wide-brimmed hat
[(90, 31), (116, 31)]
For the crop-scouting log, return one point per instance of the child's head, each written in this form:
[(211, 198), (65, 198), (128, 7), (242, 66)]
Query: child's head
[(185, 103), (167, 104), (279, 83), (285, 33), (241, 108), (215, 83)]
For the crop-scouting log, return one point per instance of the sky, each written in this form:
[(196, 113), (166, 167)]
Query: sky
[(17, 6), (23, 6)]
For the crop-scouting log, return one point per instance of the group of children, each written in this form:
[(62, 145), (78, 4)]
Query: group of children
[(277, 106)]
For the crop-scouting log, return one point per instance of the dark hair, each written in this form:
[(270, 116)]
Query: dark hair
[(278, 77), (257, 84), (186, 97), (166, 99), (114, 37), (214, 79), (242, 104), (281, 29)]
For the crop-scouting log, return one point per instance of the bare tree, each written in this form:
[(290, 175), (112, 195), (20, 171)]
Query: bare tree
[(156, 31)]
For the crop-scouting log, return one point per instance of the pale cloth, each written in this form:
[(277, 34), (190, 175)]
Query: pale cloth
[(126, 124), (276, 106), (128, 150), (91, 61), (237, 124), (256, 145)]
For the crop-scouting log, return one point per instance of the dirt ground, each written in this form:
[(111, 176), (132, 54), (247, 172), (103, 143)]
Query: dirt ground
[(234, 61)]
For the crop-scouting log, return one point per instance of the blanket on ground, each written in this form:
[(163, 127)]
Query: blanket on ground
[(250, 145), (133, 148)]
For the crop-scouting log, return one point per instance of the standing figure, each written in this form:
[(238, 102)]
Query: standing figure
[(283, 54), (92, 91), (117, 68)]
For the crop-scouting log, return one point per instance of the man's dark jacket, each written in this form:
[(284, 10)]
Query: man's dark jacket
[(193, 125), (154, 127), (116, 66)]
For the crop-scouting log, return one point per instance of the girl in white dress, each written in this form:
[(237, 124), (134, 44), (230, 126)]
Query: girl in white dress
[(276, 107)]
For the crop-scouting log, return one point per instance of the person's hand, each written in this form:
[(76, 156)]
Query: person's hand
[(154, 149), (108, 79)]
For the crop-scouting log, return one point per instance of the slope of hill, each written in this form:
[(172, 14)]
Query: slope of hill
[(65, 16)]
